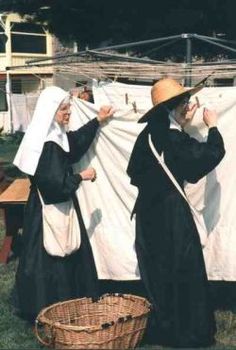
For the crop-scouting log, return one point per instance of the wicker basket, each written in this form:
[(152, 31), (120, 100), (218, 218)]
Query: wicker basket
[(115, 321)]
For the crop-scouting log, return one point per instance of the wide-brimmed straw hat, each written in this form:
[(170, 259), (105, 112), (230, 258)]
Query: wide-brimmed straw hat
[(166, 91)]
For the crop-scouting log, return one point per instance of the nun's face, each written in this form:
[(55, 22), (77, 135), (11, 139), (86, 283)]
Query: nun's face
[(184, 112), (63, 114)]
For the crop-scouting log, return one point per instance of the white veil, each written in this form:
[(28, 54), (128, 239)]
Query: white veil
[(41, 129)]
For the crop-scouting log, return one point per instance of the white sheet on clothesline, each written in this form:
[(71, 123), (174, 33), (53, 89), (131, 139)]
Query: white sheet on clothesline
[(107, 203), (22, 106)]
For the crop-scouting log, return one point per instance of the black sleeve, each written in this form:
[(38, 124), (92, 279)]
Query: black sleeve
[(143, 168), (52, 177), (196, 159), (81, 139)]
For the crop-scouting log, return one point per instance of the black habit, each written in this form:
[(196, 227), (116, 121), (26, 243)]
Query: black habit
[(42, 279), (167, 243)]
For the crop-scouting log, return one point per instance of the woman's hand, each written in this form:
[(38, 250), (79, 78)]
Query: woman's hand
[(105, 113), (88, 174), (191, 110), (210, 117)]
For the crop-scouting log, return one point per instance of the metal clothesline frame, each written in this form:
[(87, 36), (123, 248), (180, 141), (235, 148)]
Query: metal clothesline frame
[(99, 53)]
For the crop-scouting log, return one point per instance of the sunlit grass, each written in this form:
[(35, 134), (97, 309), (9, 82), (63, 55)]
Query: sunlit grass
[(14, 333)]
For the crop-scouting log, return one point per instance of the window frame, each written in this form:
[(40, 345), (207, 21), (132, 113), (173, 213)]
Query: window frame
[(23, 33)]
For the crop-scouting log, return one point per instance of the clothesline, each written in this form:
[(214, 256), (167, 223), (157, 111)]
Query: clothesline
[(104, 65), (132, 71)]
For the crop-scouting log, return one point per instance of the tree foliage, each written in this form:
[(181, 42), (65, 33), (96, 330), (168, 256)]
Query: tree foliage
[(105, 22)]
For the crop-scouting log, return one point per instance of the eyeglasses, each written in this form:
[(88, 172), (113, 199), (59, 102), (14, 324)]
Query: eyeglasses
[(185, 101)]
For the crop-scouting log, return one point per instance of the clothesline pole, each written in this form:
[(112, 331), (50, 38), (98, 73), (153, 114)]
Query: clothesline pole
[(188, 77), (8, 96)]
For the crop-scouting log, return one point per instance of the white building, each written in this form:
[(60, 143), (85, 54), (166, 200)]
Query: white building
[(21, 41)]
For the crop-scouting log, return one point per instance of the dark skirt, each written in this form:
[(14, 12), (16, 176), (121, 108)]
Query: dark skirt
[(173, 271), (42, 279)]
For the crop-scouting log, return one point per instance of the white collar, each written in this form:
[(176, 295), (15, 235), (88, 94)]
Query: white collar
[(57, 134)]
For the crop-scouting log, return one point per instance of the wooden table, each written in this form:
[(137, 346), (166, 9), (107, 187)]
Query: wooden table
[(12, 201)]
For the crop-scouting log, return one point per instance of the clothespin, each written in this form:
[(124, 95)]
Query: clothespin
[(197, 101), (126, 98), (134, 106)]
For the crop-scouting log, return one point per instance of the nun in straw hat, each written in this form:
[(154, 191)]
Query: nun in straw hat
[(52, 272), (167, 243)]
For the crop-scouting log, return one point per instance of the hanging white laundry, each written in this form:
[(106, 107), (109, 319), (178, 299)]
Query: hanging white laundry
[(107, 203)]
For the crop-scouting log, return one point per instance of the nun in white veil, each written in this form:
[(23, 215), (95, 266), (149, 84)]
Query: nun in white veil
[(46, 154)]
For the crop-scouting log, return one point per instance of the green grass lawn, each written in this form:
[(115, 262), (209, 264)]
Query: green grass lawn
[(14, 333), (17, 334), (8, 147)]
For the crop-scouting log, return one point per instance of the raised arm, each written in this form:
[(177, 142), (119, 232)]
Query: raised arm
[(196, 159), (81, 139)]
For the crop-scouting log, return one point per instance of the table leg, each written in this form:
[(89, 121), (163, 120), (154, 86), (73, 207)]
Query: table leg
[(14, 216), (5, 250)]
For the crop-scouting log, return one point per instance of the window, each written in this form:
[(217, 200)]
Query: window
[(23, 27), (3, 99), (224, 82), (3, 39), (28, 44), (16, 86), (28, 38)]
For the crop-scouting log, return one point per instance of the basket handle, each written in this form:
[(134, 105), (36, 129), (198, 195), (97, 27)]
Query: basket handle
[(40, 339)]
